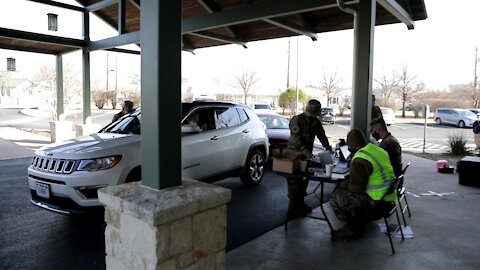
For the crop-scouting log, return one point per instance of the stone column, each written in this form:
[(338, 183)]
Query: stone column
[(182, 227)]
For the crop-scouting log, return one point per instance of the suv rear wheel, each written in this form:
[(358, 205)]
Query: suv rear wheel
[(255, 168), (461, 124), (439, 121)]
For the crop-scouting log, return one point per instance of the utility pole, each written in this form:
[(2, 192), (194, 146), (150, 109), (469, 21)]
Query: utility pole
[(296, 84), (107, 76), (288, 65), (115, 94), (475, 80)]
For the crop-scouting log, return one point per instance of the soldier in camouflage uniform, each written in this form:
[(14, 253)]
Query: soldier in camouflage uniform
[(389, 143), (303, 129)]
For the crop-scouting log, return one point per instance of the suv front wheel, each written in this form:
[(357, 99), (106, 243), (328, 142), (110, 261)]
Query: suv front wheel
[(255, 168)]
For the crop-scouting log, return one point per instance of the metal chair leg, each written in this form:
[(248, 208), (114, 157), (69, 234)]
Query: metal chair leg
[(389, 235), (401, 209), (399, 225), (408, 207)]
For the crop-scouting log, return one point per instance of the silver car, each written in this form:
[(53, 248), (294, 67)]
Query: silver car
[(454, 116)]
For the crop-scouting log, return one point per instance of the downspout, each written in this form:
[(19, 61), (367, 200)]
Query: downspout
[(342, 7)]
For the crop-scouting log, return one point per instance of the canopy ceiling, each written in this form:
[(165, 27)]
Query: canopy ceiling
[(208, 23)]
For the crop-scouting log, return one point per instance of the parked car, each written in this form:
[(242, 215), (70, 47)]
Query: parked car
[(261, 107), (388, 115), (278, 129), (226, 139), (454, 116), (328, 115), (476, 111)]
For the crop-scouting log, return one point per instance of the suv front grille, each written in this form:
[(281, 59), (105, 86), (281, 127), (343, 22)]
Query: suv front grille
[(53, 165)]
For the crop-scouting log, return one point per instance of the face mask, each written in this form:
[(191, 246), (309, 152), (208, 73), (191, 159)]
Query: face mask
[(352, 151), (376, 136), (312, 117)]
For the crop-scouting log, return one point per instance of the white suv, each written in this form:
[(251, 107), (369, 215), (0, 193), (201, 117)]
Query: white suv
[(219, 139)]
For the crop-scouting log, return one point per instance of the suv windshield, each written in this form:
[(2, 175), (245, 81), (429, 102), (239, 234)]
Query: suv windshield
[(128, 124), (327, 110), (466, 113)]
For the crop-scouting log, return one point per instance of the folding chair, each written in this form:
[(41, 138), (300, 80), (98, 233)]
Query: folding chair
[(388, 209), (401, 197)]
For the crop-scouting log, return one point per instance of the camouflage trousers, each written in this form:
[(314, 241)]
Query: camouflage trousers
[(351, 207)]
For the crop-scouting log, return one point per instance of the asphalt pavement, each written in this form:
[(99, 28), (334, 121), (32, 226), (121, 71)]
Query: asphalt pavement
[(34, 238), (410, 134), (12, 117)]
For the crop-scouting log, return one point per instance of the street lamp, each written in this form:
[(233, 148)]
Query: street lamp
[(11, 64), (52, 22)]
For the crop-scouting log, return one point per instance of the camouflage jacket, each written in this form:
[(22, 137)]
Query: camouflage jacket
[(392, 147), (303, 132)]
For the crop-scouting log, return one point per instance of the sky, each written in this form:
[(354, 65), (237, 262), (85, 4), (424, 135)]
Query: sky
[(440, 51)]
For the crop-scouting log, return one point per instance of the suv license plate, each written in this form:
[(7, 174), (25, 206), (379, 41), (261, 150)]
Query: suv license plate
[(43, 190)]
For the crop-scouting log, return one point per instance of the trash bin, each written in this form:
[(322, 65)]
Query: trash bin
[(469, 171)]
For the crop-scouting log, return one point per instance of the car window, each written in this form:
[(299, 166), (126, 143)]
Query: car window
[(201, 119), (454, 113), (243, 115), (274, 121), (262, 106), (226, 117)]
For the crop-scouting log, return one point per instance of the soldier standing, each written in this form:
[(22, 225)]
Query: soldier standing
[(303, 129)]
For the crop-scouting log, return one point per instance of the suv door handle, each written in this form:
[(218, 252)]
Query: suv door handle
[(246, 131), (214, 138)]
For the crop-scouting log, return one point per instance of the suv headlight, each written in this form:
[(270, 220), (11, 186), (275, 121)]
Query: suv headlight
[(98, 164)]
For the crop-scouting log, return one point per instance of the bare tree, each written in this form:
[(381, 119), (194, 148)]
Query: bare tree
[(4, 78), (387, 86), (407, 87), (330, 85), (71, 84), (245, 81)]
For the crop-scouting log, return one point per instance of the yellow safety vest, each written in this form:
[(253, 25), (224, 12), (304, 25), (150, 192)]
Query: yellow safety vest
[(382, 176)]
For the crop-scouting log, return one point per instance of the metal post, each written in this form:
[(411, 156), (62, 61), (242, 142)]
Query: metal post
[(426, 111), (86, 26), (59, 74), (161, 39), (86, 68), (86, 84), (364, 26), (121, 16)]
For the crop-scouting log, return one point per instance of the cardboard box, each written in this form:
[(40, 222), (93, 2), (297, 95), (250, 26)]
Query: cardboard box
[(287, 161), (286, 165)]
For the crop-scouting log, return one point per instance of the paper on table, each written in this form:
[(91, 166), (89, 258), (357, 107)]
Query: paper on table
[(345, 151)]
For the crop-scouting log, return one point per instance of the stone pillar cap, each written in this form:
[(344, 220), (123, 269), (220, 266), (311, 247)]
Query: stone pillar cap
[(156, 207)]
